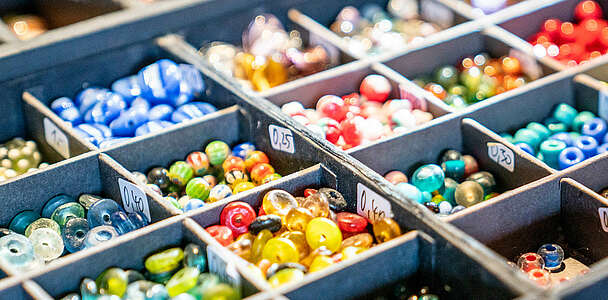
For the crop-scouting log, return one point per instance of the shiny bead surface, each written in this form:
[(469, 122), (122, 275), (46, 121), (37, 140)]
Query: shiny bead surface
[(184, 280), (349, 222), (323, 232), (17, 253), (428, 178), (67, 211), (280, 250), (164, 261), (222, 234), (266, 221), (217, 152), (74, 233), (469, 193), (386, 229), (42, 223), (53, 203), (278, 202), (98, 235), (47, 243), (112, 281), (317, 204), (198, 188), (237, 216), (530, 261), (22, 220), (99, 213), (297, 218), (552, 254)]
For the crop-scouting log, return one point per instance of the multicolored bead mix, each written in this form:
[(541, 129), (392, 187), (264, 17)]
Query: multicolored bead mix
[(360, 118), (547, 265), (270, 55), (17, 157), (160, 95), (448, 187), (174, 273), (33, 238), (291, 236)]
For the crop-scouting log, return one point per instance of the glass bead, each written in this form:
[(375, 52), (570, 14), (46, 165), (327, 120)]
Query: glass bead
[(74, 233), (279, 202), (20, 222), (221, 291), (66, 212), (453, 169), (258, 244), (42, 223), (551, 150), (299, 239), (233, 163), (410, 192), (237, 216), (280, 250), (307, 261), (17, 253), (445, 208), (349, 222), (219, 192), (4, 232), (193, 204), (323, 232), (428, 178), (320, 262), (160, 177), (530, 261), (222, 234), (527, 136), (234, 177), (361, 240), (540, 129), (526, 148), (112, 281), (180, 173), (350, 252), (138, 219), (259, 171), (565, 113), (241, 150), (284, 276), (552, 254), (98, 235), (587, 144), (210, 179), (271, 177), (540, 276), (199, 162), (71, 296), (160, 81), (255, 157), (198, 188), (164, 261), (100, 212), (469, 193), (47, 243), (432, 206), (217, 152), (87, 200), (241, 248), (470, 165), (195, 256), (450, 154), (581, 119), (133, 276), (184, 280), (88, 289), (161, 278), (386, 229), (395, 177), (485, 179), (317, 204), (148, 290), (570, 157), (53, 203), (297, 218), (121, 222), (335, 199)]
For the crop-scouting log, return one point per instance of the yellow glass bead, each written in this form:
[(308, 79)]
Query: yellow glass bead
[(255, 271), (270, 177), (361, 240), (320, 262), (317, 205), (280, 250), (276, 73), (278, 202), (386, 229), (184, 280), (242, 186), (241, 248), (259, 80), (164, 261), (299, 239), (285, 276), (307, 261), (258, 244), (244, 65), (246, 236), (323, 232), (350, 252), (297, 218)]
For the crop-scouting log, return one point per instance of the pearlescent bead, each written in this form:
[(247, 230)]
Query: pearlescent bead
[(410, 192), (595, 128), (47, 243), (428, 178), (66, 212), (552, 254), (570, 157), (74, 233), (17, 253), (565, 113), (98, 235), (22, 220), (485, 179), (42, 223), (100, 212), (469, 193)]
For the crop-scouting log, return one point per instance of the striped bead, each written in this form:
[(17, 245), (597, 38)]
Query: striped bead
[(180, 173), (198, 188), (199, 162)]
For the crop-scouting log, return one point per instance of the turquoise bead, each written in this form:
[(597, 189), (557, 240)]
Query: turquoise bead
[(65, 212), (557, 127), (17, 253), (580, 119), (194, 256), (565, 114), (550, 150), (527, 136), (574, 135), (133, 276), (22, 220), (55, 202), (428, 178), (507, 137), (88, 289), (409, 191), (453, 169), (448, 189), (426, 197), (540, 129)]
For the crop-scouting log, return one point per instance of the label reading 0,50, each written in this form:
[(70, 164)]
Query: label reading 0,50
[(281, 139)]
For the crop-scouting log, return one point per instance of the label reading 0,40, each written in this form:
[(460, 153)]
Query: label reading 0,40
[(281, 139), (133, 198)]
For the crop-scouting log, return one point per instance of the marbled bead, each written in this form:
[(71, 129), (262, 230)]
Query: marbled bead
[(53, 203), (100, 212), (17, 253), (128, 121), (98, 235), (410, 192), (193, 204), (47, 243), (180, 173), (66, 212), (128, 87), (74, 233), (160, 81), (20, 222), (241, 150), (42, 223)]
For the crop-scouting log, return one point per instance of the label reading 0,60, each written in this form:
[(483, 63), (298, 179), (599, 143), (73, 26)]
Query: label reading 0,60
[(371, 205), (281, 139)]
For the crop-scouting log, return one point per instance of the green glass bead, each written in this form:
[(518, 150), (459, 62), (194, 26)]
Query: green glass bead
[(446, 76), (221, 291), (507, 137), (133, 276), (540, 129), (205, 281), (428, 178), (164, 261), (448, 190), (161, 278), (198, 188), (580, 119), (86, 200), (180, 173), (459, 90), (550, 150), (565, 114), (182, 281), (42, 223), (217, 151), (455, 101), (65, 212), (557, 127), (471, 78), (453, 169), (22, 220), (468, 193), (527, 136), (146, 290), (194, 256), (112, 281), (485, 179), (174, 202)]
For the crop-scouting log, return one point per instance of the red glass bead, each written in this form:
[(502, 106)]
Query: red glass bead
[(332, 107), (350, 222), (551, 28), (351, 130), (566, 32), (237, 216), (255, 157), (436, 90), (587, 10), (352, 99), (233, 163), (308, 192), (332, 134), (221, 233), (259, 171), (375, 88)]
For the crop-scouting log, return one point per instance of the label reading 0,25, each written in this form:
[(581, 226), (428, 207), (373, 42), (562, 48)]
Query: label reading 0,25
[(281, 139)]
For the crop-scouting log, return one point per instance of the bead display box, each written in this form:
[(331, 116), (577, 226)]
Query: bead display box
[(462, 253)]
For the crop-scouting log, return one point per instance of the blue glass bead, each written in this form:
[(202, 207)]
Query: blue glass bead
[(67, 211), (88, 97), (602, 148), (73, 234), (525, 147), (186, 112), (53, 203), (121, 222), (88, 289), (204, 107), (580, 119), (129, 121), (448, 190), (141, 103), (100, 212), (138, 219), (105, 130), (60, 104), (553, 255), (127, 87), (241, 150), (445, 208), (507, 137), (565, 113), (182, 99), (570, 157), (595, 128), (151, 127), (587, 144), (111, 142), (550, 150), (453, 169), (192, 80), (67, 110), (194, 256), (428, 178), (98, 235), (410, 192), (17, 253), (574, 135), (87, 137), (564, 137), (527, 136), (106, 110), (160, 112), (23, 219), (193, 204), (160, 81), (540, 129)]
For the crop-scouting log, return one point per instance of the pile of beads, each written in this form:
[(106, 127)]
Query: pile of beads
[(157, 97), (174, 273), (210, 176), (25, 27), (567, 137), (64, 224), (17, 157), (572, 43), (539, 265), (360, 118), (270, 56), (373, 30), (291, 236), (448, 187), (474, 79)]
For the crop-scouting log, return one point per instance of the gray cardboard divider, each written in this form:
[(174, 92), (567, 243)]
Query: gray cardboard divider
[(21, 289)]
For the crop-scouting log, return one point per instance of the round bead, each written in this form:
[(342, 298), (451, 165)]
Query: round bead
[(485, 179), (270, 177), (217, 152), (219, 192), (199, 162), (375, 88), (551, 150), (540, 276), (98, 235), (86, 200), (564, 137), (222, 234), (334, 198), (470, 165), (428, 178), (445, 208), (22, 220), (193, 204), (297, 218), (386, 229), (299, 239), (595, 128), (540, 129), (285, 276), (241, 150), (602, 148), (527, 136), (237, 216), (448, 190), (53, 203), (180, 173), (267, 221), (468, 193), (280, 250), (160, 177), (278, 202), (17, 253), (361, 240), (453, 169), (395, 177), (112, 281), (565, 113), (552, 254), (47, 243), (526, 148), (66, 212), (198, 188), (42, 223), (320, 262), (255, 157), (410, 192), (349, 222), (234, 177), (259, 171), (221, 291), (587, 144), (587, 10), (74, 233), (530, 261), (570, 157), (233, 163), (317, 204), (581, 119), (258, 244), (100, 212), (323, 232)]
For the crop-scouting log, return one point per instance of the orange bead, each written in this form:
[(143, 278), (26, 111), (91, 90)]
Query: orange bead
[(259, 171), (436, 90), (255, 157), (511, 65), (233, 163)]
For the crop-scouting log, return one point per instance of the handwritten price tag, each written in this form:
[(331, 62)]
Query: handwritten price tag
[(502, 155), (603, 212), (222, 268), (281, 139), (56, 138), (371, 205), (133, 198)]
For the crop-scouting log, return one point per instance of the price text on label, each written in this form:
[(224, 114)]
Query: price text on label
[(502, 155), (133, 198), (56, 138), (281, 139), (603, 212), (371, 205)]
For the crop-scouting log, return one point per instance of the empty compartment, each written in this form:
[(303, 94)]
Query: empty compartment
[(94, 174)]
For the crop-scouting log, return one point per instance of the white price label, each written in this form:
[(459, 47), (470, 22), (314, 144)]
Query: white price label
[(56, 138), (225, 270), (437, 13), (133, 198), (602, 104), (502, 155), (281, 139), (528, 63), (603, 212), (371, 205)]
